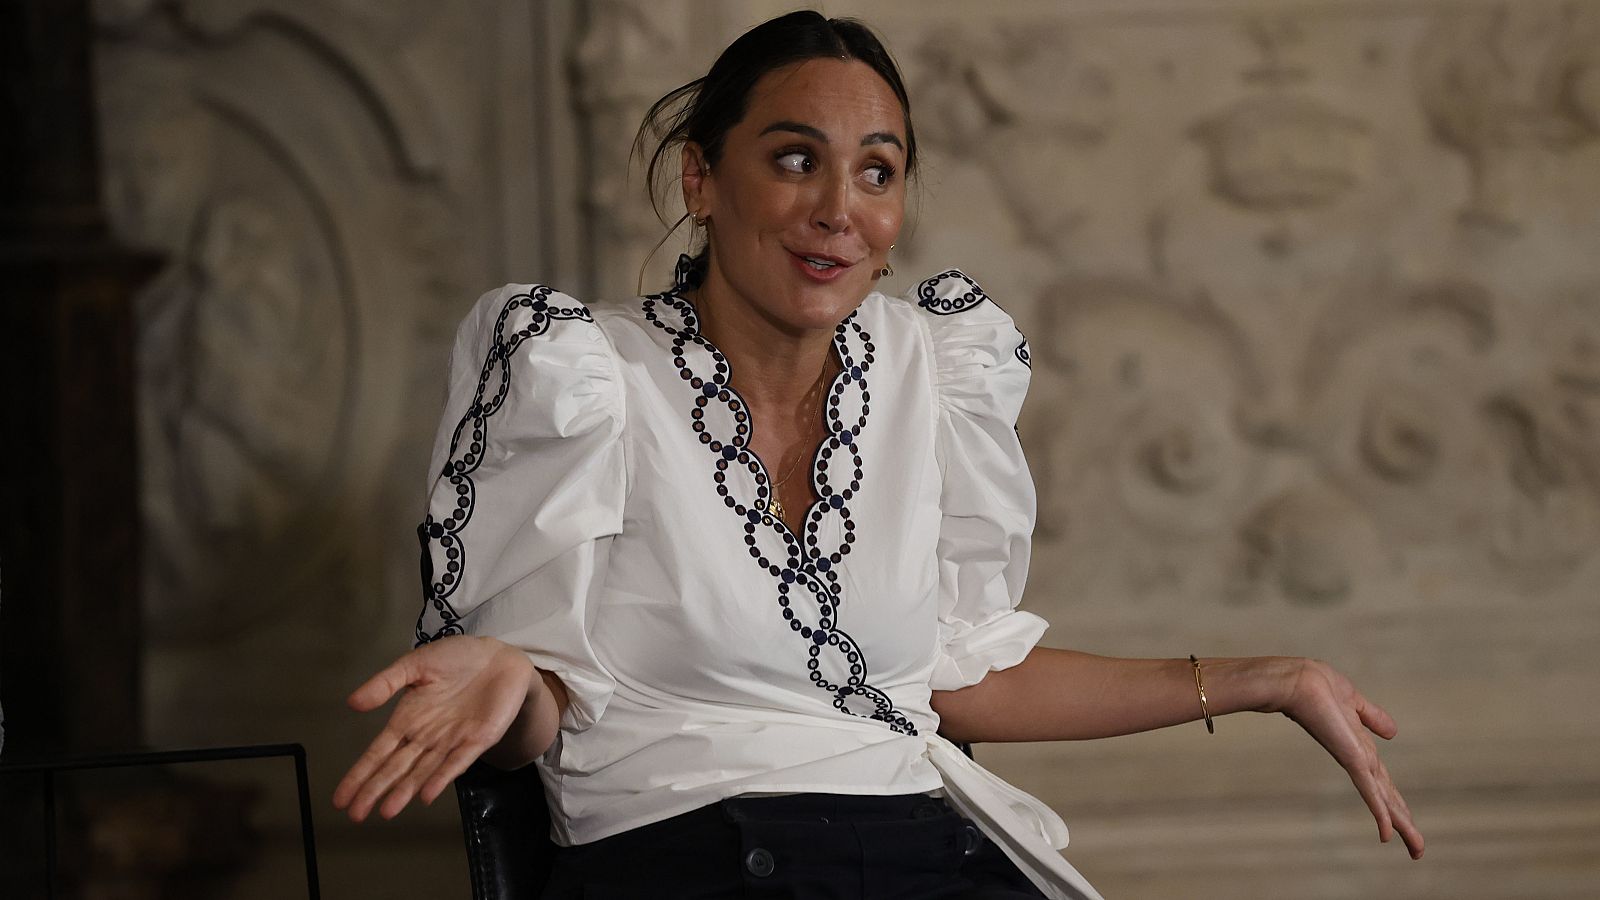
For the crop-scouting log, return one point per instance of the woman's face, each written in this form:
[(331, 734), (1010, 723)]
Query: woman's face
[(809, 193)]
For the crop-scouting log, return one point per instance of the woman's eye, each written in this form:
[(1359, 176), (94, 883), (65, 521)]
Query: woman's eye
[(879, 176), (795, 162)]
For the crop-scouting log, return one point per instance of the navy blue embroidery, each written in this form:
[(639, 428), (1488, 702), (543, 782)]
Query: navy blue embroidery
[(445, 536), (1023, 354), (809, 595), (928, 295)]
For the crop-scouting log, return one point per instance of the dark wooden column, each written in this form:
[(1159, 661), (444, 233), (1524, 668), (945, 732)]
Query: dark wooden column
[(69, 607)]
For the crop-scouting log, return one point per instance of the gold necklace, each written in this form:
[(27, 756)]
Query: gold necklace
[(774, 505)]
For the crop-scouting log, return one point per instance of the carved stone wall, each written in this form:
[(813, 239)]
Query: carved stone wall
[(335, 182), (1315, 322)]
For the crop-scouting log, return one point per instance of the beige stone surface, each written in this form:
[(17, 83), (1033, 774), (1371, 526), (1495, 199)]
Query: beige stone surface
[(1314, 309), (334, 183)]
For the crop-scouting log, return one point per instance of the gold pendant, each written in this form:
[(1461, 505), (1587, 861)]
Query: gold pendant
[(775, 506)]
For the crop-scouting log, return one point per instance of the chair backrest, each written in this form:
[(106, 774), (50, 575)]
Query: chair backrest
[(507, 828)]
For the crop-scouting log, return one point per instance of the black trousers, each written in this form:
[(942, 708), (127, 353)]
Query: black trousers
[(797, 847)]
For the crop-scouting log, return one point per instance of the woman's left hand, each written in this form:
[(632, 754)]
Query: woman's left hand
[(1332, 711)]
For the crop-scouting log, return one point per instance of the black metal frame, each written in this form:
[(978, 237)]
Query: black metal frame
[(47, 770)]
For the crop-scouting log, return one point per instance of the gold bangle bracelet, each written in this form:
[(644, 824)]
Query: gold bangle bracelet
[(1200, 687)]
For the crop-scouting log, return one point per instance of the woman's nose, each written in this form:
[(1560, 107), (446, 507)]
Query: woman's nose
[(832, 212)]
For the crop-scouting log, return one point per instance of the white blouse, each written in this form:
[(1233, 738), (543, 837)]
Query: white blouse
[(596, 504)]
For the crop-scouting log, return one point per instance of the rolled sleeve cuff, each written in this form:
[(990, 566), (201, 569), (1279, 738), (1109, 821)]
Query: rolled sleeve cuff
[(970, 652)]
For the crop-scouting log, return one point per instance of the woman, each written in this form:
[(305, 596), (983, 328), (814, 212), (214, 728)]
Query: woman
[(724, 559)]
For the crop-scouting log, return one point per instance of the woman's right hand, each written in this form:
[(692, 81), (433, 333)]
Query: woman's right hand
[(459, 696)]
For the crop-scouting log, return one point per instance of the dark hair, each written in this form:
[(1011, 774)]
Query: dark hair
[(704, 110)]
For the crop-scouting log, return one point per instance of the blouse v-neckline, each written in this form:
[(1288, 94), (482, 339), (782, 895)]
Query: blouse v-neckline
[(827, 409), (807, 571), (828, 390)]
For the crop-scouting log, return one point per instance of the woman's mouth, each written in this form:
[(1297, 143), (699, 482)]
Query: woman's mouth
[(819, 267)]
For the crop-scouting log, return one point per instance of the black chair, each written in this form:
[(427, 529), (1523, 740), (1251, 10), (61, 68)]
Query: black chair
[(507, 828)]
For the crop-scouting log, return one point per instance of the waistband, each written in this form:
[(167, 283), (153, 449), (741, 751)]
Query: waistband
[(812, 807)]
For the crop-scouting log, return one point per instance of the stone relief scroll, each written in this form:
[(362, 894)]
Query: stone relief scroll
[(1270, 193), (630, 54), (240, 350), (272, 350), (332, 183), (1504, 84), (1252, 205)]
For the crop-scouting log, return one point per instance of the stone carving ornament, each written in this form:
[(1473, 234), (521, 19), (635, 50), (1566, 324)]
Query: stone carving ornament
[(1386, 402), (632, 53), (270, 381), (242, 358), (1500, 82)]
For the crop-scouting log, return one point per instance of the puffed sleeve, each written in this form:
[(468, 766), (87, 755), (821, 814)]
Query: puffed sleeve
[(528, 487), (981, 370)]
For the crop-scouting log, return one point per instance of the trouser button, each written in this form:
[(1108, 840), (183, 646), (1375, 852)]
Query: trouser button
[(758, 862), (974, 839)]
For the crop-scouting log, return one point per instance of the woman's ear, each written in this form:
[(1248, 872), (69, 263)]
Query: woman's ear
[(696, 185)]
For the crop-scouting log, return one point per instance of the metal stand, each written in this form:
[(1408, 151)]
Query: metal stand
[(47, 772)]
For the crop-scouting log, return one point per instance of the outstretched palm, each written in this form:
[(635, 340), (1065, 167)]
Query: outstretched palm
[(458, 696)]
